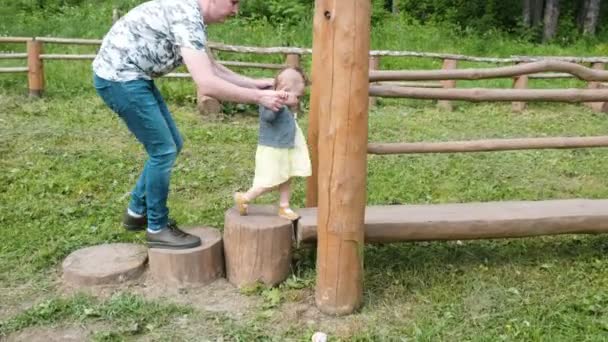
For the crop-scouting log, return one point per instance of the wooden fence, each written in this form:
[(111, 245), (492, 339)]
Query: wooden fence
[(383, 82)]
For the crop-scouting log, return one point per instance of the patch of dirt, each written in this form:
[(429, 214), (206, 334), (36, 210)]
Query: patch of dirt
[(219, 296), (71, 333)]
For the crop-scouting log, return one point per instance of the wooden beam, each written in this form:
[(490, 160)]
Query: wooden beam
[(488, 145), (486, 95), (10, 70), (13, 55), (580, 71), (340, 68), (468, 221)]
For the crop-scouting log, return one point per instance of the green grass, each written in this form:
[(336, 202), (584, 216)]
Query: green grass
[(68, 163)]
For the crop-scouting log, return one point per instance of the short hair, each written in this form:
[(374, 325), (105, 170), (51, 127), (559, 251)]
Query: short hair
[(296, 69)]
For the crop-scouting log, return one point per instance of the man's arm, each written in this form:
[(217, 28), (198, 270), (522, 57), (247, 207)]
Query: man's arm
[(232, 77), (202, 70)]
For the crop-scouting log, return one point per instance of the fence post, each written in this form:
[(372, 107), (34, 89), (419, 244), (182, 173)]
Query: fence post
[(448, 64), (292, 59), (35, 75), (115, 15), (597, 106), (374, 64), (519, 82)]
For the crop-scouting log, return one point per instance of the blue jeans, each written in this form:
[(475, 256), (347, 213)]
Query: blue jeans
[(142, 108)]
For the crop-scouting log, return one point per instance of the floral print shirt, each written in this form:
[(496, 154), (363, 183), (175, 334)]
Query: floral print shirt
[(146, 42)]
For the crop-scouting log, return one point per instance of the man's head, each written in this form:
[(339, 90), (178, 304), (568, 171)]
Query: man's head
[(217, 11)]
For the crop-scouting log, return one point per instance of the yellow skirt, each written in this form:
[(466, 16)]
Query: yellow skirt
[(274, 166)]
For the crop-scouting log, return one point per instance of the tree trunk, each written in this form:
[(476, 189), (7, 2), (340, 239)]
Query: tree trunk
[(527, 12), (550, 20), (591, 16), (582, 12), (537, 11)]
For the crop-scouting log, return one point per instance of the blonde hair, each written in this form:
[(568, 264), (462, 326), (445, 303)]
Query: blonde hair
[(294, 68)]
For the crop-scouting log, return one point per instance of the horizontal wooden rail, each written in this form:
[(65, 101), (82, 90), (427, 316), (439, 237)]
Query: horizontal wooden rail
[(71, 41), (13, 55), (488, 145), (580, 71), (228, 63), (411, 84), (15, 39), (551, 75), (67, 57), (487, 95), (307, 51), (527, 59), (13, 70)]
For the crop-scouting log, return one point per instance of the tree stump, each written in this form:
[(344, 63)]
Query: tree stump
[(104, 264), (208, 106), (189, 267), (257, 246)]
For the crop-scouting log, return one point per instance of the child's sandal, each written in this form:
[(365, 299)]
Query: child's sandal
[(288, 214), (241, 203)]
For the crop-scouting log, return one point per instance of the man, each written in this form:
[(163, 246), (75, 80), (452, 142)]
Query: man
[(151, 40)]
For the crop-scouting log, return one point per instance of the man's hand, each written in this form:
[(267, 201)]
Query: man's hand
[(264, 83), (272, 100)]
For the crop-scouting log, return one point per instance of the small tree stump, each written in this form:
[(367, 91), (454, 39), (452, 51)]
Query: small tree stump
[(208, 106), (190, 267), (104, 264), (257, 246)]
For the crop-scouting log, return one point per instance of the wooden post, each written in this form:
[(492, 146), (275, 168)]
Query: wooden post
[(374, 64), (596, 106), (35, 74), (448, 64), (115, 15), (519, 82), (341, 87), (292, 59)]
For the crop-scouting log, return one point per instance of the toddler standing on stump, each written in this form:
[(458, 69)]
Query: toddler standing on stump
[(282, 152)]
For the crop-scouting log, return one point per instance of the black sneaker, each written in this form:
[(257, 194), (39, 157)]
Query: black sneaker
[(171, 237), (132, 223)]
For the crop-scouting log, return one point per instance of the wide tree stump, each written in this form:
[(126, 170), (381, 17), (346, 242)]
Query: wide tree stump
[(257, 247), (190, 267), (104, 264)]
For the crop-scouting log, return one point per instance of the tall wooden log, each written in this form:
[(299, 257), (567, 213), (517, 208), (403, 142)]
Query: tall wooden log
[(36, 70), (448, 64), (341, 81), (519, 82), (257, 247)]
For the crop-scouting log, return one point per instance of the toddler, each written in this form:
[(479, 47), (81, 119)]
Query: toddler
[(282, 152)]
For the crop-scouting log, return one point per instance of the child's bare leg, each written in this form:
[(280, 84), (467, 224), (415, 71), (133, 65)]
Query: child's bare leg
[(284, 196), (254, 193), (242, 199)]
